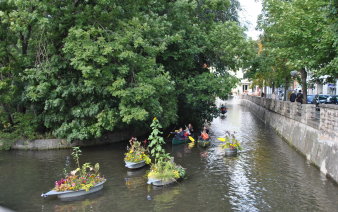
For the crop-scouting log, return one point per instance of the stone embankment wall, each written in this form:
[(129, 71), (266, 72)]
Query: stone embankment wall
[(46, 144), (314, 133)]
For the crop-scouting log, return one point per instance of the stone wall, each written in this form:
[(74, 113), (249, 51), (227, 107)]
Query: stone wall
[(46, 144), (312, 132)]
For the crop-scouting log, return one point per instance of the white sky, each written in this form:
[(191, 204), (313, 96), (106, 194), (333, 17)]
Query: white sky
[(248, 16)]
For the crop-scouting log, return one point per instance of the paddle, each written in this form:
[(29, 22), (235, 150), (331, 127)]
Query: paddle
[(221, 139), (191, 139), (192, 144), (170, 132)]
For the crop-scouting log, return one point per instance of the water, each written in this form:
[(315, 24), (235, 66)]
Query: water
[(268, 175)]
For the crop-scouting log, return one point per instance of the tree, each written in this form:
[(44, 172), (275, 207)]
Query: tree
[(298, 31), (81, 69)]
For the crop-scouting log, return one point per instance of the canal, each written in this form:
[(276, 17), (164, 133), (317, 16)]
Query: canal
[(268, 175)]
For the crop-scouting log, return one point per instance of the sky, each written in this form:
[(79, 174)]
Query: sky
[(248, 16)]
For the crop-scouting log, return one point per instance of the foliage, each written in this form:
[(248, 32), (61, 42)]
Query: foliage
[(230, 142), (24, 126), (83, 177), (164, 167), (76, 155), (82, 69), (156, 141), (166, 170), (298, 35), (137, 153)]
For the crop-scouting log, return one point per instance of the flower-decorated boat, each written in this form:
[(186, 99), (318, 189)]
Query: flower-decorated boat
[(164, 170), (137, 155), (70, 194), (231, 145), (133, 165), (81, 181), (230, 151), (160, 182)]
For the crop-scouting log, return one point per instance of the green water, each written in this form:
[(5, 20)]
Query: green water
[(268, 175)]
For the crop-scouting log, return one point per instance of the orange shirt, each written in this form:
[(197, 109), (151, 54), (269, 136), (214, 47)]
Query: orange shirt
[(205, 136)]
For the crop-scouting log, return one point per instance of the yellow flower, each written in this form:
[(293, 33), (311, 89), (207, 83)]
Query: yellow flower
[(154, 119)]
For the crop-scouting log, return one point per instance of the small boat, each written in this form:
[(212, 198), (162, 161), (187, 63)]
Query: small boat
[(71, 193), (203, 143), (132, 165), (230, 151), (180, 141), (159, 182)]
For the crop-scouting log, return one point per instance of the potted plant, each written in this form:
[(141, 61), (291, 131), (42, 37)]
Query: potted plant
[(137, 156), (83, 180), (231, 145), (164, 170)]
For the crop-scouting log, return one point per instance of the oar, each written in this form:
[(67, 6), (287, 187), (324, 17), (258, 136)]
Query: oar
[(170, 132), (191, 139), (221, 139)]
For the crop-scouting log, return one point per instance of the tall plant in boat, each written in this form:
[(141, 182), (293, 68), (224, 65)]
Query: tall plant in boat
[(164, 170), (83, 178), (137, 155)]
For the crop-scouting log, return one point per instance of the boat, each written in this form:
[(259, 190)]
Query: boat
[(133, 165), (203, 143), (180, 141), (72, 194), (230, 151), (159, 182)]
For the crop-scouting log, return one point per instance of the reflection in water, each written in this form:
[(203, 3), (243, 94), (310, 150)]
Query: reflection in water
[(165, 197), (85, 205), (268, 175), (136, 178)]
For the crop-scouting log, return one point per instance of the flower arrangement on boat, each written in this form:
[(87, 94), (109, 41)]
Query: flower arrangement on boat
[(137, 153), (164, 170), (83, 178), (231, 144)]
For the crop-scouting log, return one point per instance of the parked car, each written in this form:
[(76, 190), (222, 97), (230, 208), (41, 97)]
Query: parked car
[(318, 99), (310, 99), (332, 99), (322, 99)]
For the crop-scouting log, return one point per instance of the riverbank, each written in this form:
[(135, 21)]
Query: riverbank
[(48, 144), (296, 124)]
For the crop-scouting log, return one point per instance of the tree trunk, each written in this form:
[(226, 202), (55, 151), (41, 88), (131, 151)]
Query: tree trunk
[(9, 114), (303, 75), (286, 86)]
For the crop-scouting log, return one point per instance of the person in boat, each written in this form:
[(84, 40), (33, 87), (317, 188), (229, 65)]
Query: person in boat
[(187, 132), (223, 109), (180, 134), (206, 129), (190, 128), (204, 135)]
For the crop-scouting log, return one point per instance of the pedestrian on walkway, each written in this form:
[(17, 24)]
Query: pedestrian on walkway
[(299, 97), (293, 97)]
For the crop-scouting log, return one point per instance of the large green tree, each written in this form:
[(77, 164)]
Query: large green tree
[(79, 69)]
